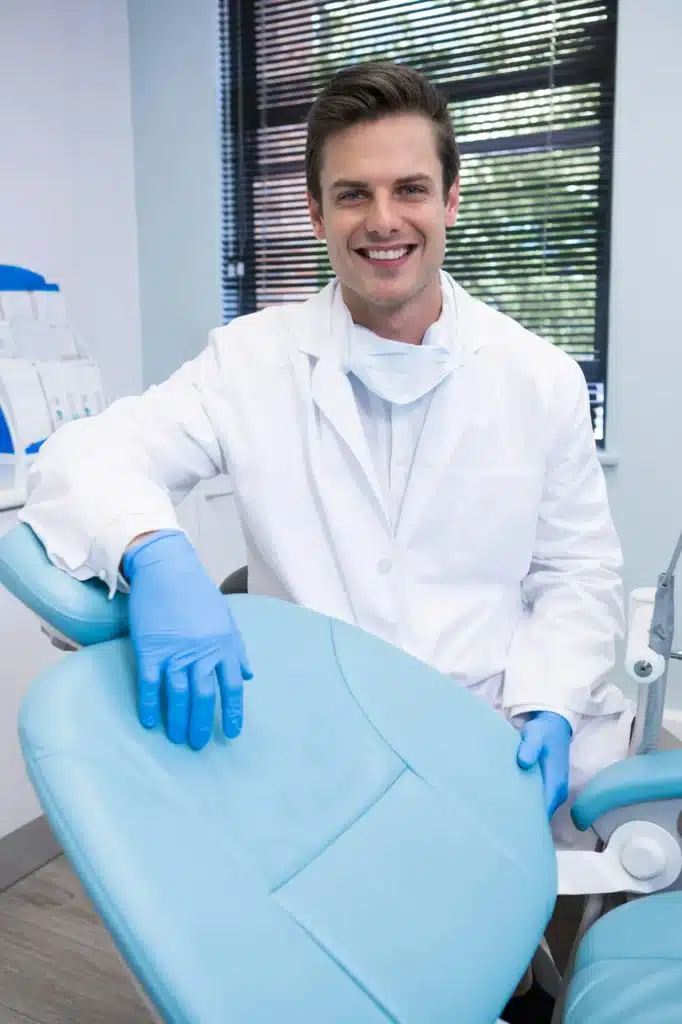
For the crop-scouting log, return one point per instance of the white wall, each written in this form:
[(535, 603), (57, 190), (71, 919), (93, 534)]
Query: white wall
[(645, 375), (174, 85), (174, 55), (66, 211), (66, 170)]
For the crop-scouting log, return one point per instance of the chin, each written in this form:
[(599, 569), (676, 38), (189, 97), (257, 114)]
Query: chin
[(382, 294), (394, 296)]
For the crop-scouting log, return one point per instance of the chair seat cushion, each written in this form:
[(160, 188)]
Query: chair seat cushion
[(365, 851), (629, 966)]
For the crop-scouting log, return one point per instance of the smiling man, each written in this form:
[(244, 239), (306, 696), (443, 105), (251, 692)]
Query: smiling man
[(382, 196), (403, 457)]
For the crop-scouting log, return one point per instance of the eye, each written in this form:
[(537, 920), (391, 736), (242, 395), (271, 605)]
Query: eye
[(349, 196), (413, 190)]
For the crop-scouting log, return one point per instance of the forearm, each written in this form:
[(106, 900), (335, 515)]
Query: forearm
[(565, 645), (99, 483), (87, 508)]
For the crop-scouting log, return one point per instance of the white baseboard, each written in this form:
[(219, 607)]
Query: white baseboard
[(672, 721)]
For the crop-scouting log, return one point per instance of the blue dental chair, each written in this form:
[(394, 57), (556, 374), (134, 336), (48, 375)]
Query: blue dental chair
[(366, 851)]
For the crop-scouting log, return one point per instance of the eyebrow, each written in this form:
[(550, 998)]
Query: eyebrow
[(409, 179)]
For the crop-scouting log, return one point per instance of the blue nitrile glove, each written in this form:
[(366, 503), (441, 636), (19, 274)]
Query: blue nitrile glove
[(546, 740), (185, 640)]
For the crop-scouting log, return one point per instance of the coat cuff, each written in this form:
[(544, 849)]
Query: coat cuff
[(106, 552), (520, 714)]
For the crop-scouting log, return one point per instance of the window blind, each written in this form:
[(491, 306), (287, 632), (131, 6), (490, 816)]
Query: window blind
[(530, 87)]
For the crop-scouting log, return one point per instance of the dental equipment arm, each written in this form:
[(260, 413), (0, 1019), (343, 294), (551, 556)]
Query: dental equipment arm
[(635, 805), (634, 781), (649, 650)]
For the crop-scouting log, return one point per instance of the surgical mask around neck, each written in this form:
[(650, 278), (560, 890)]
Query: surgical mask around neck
[(394, 370), (398, 371)]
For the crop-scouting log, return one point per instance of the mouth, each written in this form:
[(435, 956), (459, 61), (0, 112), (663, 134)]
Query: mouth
[(386, 258)]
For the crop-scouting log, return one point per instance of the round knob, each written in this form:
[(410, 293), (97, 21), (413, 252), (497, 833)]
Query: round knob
[(643, 857)]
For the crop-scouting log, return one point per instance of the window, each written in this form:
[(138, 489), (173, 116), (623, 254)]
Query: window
[(531, 89)]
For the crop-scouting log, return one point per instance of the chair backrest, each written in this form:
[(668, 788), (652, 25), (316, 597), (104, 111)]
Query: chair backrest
[(366, 850)]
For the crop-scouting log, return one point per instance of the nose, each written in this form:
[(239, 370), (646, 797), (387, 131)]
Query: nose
[(382, 219)]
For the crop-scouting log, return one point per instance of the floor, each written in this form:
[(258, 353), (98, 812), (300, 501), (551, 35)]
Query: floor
[(57, 964)]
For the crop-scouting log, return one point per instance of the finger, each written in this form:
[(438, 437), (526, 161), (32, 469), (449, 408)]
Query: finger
[(149, 692), (202, 704), (530, 747), (228, 672), (177, 703), (555, 782), (244, 663)]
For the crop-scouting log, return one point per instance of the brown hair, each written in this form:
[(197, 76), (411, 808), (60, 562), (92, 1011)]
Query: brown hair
[(368, 92)]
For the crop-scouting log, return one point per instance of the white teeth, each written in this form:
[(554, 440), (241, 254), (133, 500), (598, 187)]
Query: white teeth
[(387, 254)]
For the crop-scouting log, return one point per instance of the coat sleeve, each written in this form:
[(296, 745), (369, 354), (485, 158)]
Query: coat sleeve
[(564, 647), (98, 483)]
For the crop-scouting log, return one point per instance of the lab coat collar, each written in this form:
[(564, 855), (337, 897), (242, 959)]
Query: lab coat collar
[(324, 339), (442, 332)]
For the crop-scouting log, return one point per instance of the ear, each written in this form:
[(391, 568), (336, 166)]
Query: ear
[(315, 212), (452, 205)]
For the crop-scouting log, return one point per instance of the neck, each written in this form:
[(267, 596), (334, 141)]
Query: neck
[(408, 322)]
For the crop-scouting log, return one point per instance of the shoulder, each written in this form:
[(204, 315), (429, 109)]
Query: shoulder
[(273, 333), (533, 382), (524, 357), (262, 331)]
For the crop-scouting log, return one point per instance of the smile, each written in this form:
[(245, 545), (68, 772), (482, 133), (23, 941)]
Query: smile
[(388, 257)]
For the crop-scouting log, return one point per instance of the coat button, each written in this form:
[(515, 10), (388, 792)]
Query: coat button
[(384, 565)]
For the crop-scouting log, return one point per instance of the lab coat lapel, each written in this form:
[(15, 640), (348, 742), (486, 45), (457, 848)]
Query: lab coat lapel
[(332, 392), (452, 410)]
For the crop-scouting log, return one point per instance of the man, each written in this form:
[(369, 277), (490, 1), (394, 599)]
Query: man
[(403, 457)]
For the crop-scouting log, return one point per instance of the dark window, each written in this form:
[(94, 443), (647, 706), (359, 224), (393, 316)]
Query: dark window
[(531, 87)]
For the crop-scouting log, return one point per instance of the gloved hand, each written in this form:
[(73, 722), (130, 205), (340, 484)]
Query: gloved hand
[(546, 740), (185, 638)]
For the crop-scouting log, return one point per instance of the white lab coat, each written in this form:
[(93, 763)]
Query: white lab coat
[(503, 569)]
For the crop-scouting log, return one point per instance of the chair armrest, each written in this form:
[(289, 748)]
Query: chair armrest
[(80, 611), (640, 779)]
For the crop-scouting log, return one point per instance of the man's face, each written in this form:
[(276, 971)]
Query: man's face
[(383, 213)]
